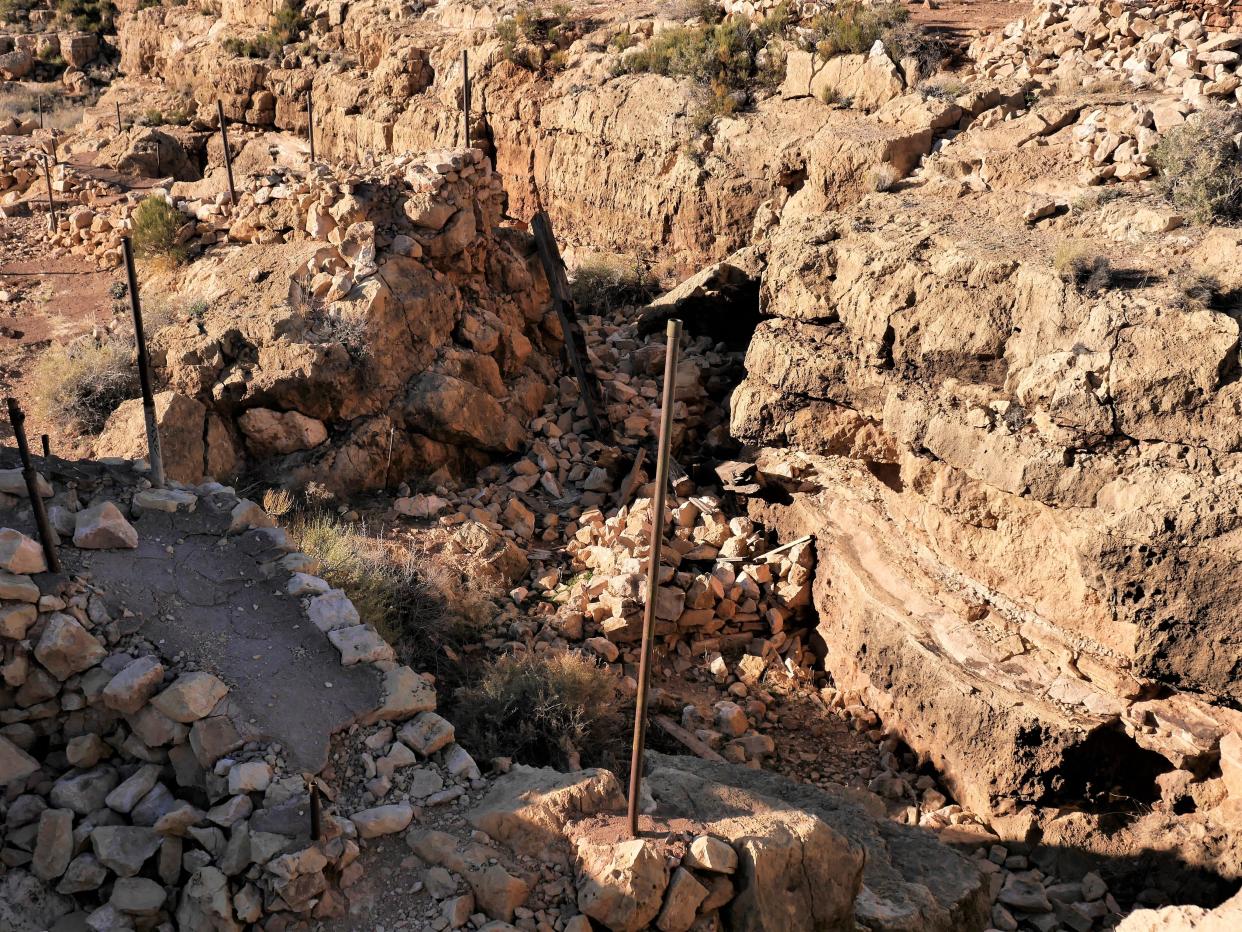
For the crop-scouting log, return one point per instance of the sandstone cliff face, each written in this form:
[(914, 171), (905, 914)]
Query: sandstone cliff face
[(1026, 497)]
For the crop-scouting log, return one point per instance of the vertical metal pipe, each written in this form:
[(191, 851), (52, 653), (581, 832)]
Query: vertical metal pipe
[(465, 96), (47, 446), (155, 454), (653, 569), (40, 100), (310, 124), (228, 158), (51, 203), (119, 127), (315, 811), (18, 420)]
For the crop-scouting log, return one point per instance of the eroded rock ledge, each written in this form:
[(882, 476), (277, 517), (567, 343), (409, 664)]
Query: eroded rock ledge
[(1025, 500)]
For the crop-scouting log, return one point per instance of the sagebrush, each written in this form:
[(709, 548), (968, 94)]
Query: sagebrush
[(605, 284), (77, 386), (1200, 171), (560, 709), (154, 233)]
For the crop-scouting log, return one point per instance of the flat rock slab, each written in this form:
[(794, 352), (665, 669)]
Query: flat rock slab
[(194, 590)]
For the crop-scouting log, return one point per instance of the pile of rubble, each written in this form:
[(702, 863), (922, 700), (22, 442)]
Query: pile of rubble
[(133, 793), (23, 183), (1174, 55)]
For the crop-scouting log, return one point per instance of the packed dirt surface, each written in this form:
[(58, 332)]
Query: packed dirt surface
[(942, 635)]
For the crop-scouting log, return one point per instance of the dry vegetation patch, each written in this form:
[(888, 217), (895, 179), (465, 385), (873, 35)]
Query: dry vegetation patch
[(77, 386), (1200, 171)]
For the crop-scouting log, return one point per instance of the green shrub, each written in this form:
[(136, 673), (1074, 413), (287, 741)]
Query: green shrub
[(87, 15), (602, 285), (544, 709), (155, 226), (77, 386), (728, 60), (1200, 171), (853, 27), (532, 38)]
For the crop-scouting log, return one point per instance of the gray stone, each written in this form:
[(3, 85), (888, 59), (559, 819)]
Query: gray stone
[(83, 873), (382, 820), (54, 844), (137, 896), (29, 905), (132, 688), (191, 697), (15, 764), (427, 733), (123, 849), (360, 644), (17, 588), (84, 791)]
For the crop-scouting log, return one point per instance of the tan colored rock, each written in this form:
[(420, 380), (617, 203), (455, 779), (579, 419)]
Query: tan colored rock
[(66, 648), (179, 419), (276, 433), (621, 886), (19, 554), (103, 527), (191, 696), (15, 764)]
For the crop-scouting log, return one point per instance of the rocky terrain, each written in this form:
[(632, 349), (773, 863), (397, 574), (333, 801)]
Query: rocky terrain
[(944, 631)]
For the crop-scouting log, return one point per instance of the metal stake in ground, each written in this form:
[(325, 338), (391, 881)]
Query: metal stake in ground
[(47, 446), (228, 157), (144, 371), (315, 807), (653, 569), (51, 203), (465, 96), (40, 100), (18, 420), (310, 124), (119, 127)]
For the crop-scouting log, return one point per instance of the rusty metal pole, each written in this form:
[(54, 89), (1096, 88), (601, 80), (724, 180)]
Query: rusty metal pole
[(228, 158), (465, 96), (18, 420), (51, 203), (119, 127), (310, 124), (40, 101), (653, 569), (155, 455), (315, 811), (47, 446)]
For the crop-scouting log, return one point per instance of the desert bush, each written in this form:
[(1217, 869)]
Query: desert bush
[(728, 60), (1197, 290), (534, 38), (853, 27), (544, 709), (155, 226), (77, 386), (1200, 171), (607, 283), (277, 502), (1088, 271), (884, 177), (87, 15), (425, 604), (13, 10)]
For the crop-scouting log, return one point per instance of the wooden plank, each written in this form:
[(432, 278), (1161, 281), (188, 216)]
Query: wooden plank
[(575, 339), (685, 738)]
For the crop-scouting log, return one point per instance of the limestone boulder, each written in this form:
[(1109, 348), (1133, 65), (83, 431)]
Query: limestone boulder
[(865, 81), (180, 420), (103, 527), (191, 696), (16, 64), (276, 433), (19, 554), (621, 886), (66, 648), (1223, 918)]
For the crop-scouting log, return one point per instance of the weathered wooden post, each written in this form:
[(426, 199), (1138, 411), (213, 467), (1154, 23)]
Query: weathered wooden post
[(51, 202), (653, 569), (465, 96), (155, 455), (18, 420), (310, 124), (228, 158), (575, 339)]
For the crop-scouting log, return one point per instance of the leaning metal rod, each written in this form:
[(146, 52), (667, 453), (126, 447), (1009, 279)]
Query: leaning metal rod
[(51, 203), (18, 420), (119, 128), (144, 374), (653, 569), (228, 158)]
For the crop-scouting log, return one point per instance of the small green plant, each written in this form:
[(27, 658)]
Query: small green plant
[(853, 27), (87, 15), (622, 40), (560, 709), (604, 284), (533, 38), (1200, 171), (78, 386), (155, 226)]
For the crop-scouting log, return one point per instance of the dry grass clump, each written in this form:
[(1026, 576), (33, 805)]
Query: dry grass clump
[(58, 112), (884, 177), (605, 283), (559, 709), (154, 235), (77, 386), (853, 27), (1200, 169), (1088, 271), (427, 606)]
